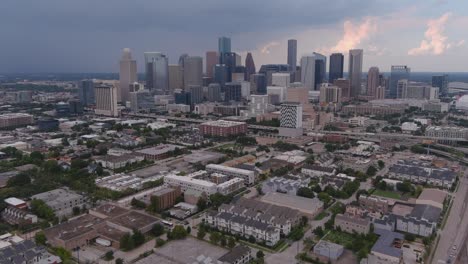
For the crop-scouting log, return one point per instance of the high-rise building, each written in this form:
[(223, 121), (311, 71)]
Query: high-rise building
[(228, 59), (214, 92), (398, 72), (402, 86), (106, 100), (220, 74), (441, 81), (313, 69), (182, 97), (224, 45), (141, 100), (193, 71), (373, 81), (291, 120), (197, 93), (258, 105), (249, 66), (238, 60), (127, 75), (330, 94), (419, 91), (238, 74), (157, 72), (278, 92), (292, 54), (212, 59), (233, 92), (175, 77), (298, 94), (345, 86), (336, 67), (258, 83), (355, 71), (86, 92), (380, 93), (269, 69), (281, 79)]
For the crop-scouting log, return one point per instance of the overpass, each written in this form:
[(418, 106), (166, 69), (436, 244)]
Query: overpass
[(389, 135)]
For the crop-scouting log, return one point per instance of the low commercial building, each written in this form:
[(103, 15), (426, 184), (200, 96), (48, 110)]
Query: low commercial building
[(328, 249), (62, 201), (422, 221), (384, 250), (433, 197), (159, 152), (240, 254), (116, 162), (447, 132), (121, 181), (223, 128), (283, 185), (317, 171), (166, 198), (230, 186), (368, 109), (188, 183), (351, 224), (248, 176), (15, 120), (375, 203), (307, 206)]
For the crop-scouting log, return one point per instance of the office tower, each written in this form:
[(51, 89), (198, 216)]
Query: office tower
[(212, 59), (345, 86), (281, 79), (278, 92), (297, 74), (355, 71), (290, 120), (220, 74), (238, 74), (238, 59), (249, 66), (258, 105), (175, 77), (127, 75), (224, 45), (402, 90), (233, 92), (373, 81), (207, 80), (197, 93), (258, 83), (383, 81), (320, 70), (86, 92), (419, 91), (330, 94), (269, 69), (106, 100), (297, 94), (308, 72), (292, 55), (135, 87), (214, 92), (336, 67), (141, 100), (76, 107), (441, 81), (245, 89), (193, 71), (380, 93), (398, 72), (157, 72), (182, 97), (181, 59), (228, 59)]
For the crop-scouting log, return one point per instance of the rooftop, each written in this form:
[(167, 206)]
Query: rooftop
[(235, 254), (223, 123), (134, 220), (384, 244), (159, 149)]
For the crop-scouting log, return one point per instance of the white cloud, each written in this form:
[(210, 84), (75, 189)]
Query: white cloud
[(266, 49), (355, 34), (435, 42)]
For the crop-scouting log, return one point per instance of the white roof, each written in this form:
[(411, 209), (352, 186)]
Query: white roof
[(14, 201)]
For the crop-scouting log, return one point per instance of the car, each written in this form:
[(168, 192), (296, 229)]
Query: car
[(406, 246), (454, 247)]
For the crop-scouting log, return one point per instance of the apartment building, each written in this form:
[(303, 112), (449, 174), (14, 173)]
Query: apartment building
[(62, 201), (351, 224)]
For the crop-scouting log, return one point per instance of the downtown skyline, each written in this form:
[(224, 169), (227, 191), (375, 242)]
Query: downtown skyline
[(425, 35)]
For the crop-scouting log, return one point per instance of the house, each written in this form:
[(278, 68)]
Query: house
[(422, 172), (317, 171)]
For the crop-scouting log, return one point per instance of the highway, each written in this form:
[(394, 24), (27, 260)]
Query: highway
[(452, 236)]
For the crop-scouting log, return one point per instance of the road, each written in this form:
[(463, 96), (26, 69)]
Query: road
[(456, 227)]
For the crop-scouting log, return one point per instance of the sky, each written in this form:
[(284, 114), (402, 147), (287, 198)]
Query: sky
[(89, 35)]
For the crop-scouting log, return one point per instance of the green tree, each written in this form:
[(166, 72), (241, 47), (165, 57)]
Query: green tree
[(319, 231), (223, 241), (231, 242), (305, 192), (19, 180), (63, 254), (138, 238), (137, 204), (201, 204), (179, 232), (126, 242), (157, 229), (201, 233), (160, 242), (404, 187), (40, 238), (381, 164), (371, 171), (109, 255), (215, 237), (119, 261), (260, 254), (42, 210)]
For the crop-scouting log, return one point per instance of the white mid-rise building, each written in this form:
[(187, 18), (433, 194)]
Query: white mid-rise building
[(106, 100), (282, 79), (190, 183), (247, 175)]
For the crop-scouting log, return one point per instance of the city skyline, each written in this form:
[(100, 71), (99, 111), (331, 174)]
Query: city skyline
[(430, 32)]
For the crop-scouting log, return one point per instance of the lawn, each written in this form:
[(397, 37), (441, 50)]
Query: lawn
[(341, 238), (320, 216), (388, 194)]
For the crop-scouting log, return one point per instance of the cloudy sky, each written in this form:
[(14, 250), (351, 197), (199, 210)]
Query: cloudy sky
[(88, 35)]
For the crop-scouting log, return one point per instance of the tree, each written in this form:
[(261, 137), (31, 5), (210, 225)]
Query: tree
[(201, 204), (40, 238), (305, 192), (189, 230), (19, 180), (231, 242), (215, 237), (382, 185), (404, 187), (201, 233), (371, 171), (410, 237), (41, 209), (179, 232), (160, 242), (381, 164), (63, 254), (319, 231), (260, 254), (138, 238), (109, 255), (251, 239), (119, 261), (223, 241), (126, 242), (76, 210), (157, 229)]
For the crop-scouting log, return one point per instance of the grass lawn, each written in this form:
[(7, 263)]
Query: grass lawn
[(341, 238), (320, 216), (388, 194), (227, 146)]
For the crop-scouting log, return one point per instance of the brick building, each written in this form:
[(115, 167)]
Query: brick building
[(223, 128)]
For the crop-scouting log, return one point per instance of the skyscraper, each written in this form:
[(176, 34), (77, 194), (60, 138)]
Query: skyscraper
[(233, 92), (141, 100), (292, 54), (398, 72), (211, 60), (86, 92), (355, 71), (127, 75), (313, 69), (281, 79), (330, 94), (224, 45), (220, 74), (336, 67), (175, 77), (228, 59), (238, 74), (197, 93), (249, 66), (373, 81), (214, 92), (157, 72), (193, 71), (106, 100), (258, 83), (291, 119), (441, 81)]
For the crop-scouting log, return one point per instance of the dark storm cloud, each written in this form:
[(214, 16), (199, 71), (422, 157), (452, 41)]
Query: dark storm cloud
[(87, 35)]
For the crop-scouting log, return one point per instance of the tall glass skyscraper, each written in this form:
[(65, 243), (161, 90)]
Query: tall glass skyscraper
[(320, 70), (157, 72), (336, 67), (86, 92), (441, 81), (292, 55), (355, 71), (399, 72), (224, 45), (127, 75), (249, 66)]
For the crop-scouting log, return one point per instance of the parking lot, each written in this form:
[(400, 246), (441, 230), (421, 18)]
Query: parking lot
[(411, 252), (191, 249)]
